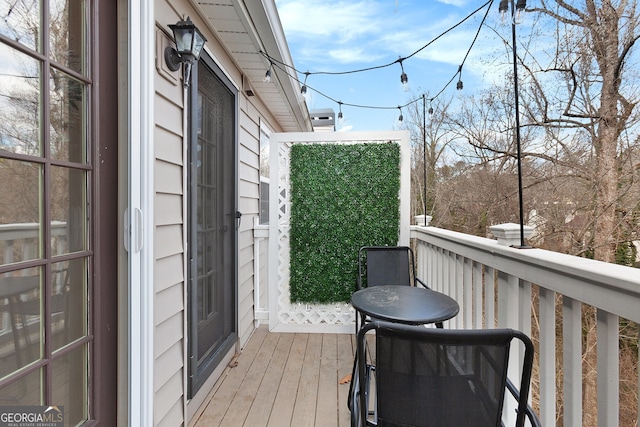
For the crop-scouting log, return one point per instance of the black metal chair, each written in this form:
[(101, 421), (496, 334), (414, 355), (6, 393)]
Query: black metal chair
[(387, 265), (439, 377)]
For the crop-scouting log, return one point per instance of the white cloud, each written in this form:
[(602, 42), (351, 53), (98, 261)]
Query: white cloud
[(328, 21), (457, 3)]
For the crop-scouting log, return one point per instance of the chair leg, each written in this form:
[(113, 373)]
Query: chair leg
[(354, 378)]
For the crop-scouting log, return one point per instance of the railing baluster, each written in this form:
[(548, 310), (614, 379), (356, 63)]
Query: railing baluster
[(547, 357), (489, 298), (572, 360), (524, 307), (431, 264), (608, 369), (458, 284), (477, 295), (439, 282), (467, 292), (448, 272), (508, 286)]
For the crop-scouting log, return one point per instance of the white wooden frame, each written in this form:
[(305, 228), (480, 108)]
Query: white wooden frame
[(335, 318)]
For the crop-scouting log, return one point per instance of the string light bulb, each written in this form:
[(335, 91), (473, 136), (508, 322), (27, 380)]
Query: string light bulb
[(303, 89), (339, 110), (400, 118), (403, 77), (267, 75), (520, 7), (503, 8), (459, 86)]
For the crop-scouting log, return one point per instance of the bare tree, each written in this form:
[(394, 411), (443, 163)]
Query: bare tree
[(595, 42), (430, 137)]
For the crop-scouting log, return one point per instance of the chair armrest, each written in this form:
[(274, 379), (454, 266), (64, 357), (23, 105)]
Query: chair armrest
[(533, 418)]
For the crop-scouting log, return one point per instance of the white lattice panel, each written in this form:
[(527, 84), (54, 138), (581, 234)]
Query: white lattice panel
[(285, 316)]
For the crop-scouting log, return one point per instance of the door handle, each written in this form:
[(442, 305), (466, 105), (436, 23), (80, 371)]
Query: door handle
[(238, 219)]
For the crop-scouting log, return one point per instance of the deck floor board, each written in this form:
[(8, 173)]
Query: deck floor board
[(284, 380)]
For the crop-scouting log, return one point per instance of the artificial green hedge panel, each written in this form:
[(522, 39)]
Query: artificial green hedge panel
[(343, 197)]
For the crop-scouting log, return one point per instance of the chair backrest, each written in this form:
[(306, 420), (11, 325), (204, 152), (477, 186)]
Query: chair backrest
[(386, 265), (442, 377)]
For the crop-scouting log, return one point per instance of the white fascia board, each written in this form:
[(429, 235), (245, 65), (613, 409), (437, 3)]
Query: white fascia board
[(263, 25)]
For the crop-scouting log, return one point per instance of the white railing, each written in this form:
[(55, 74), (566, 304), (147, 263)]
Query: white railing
[(540, 292)]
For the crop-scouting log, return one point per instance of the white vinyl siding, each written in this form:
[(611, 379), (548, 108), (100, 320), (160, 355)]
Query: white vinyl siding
[(169, 270), (170, 228)]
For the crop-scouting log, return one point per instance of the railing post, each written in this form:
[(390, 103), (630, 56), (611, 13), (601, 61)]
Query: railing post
[(260, 282)]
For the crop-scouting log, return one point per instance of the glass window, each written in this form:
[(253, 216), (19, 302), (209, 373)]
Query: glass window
[(69, 214), (67, 111), (20, 112), (21, 328), (45, 213), (264, 174), (20, 21), (67, 33), (20, 211)]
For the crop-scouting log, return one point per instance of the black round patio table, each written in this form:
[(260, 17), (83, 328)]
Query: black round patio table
[(404, 304)]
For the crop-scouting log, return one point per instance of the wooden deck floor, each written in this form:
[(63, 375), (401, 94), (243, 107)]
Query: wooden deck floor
[(284, 380)]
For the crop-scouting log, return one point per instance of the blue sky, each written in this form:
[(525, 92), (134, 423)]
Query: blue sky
[(344, 35)]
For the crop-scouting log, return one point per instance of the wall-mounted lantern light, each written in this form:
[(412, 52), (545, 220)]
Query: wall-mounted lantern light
[(189, 44)]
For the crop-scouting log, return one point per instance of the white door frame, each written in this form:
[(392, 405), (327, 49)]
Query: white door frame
[(139, 220)]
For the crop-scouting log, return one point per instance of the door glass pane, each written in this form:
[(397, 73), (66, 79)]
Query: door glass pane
[(20, 231), (69, 385), (67, 112), (68, 210), (20, 21), (19, 102), (67, 37), (20, 319), (69, 319), (27, 391)]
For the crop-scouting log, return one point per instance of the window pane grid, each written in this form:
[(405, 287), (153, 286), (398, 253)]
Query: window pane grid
[(45, 250)]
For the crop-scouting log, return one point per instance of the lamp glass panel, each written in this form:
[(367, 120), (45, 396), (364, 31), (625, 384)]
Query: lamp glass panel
[(184, 40), (198, 44)]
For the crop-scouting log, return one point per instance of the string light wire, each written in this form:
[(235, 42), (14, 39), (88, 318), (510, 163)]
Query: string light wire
[(286, 67)]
